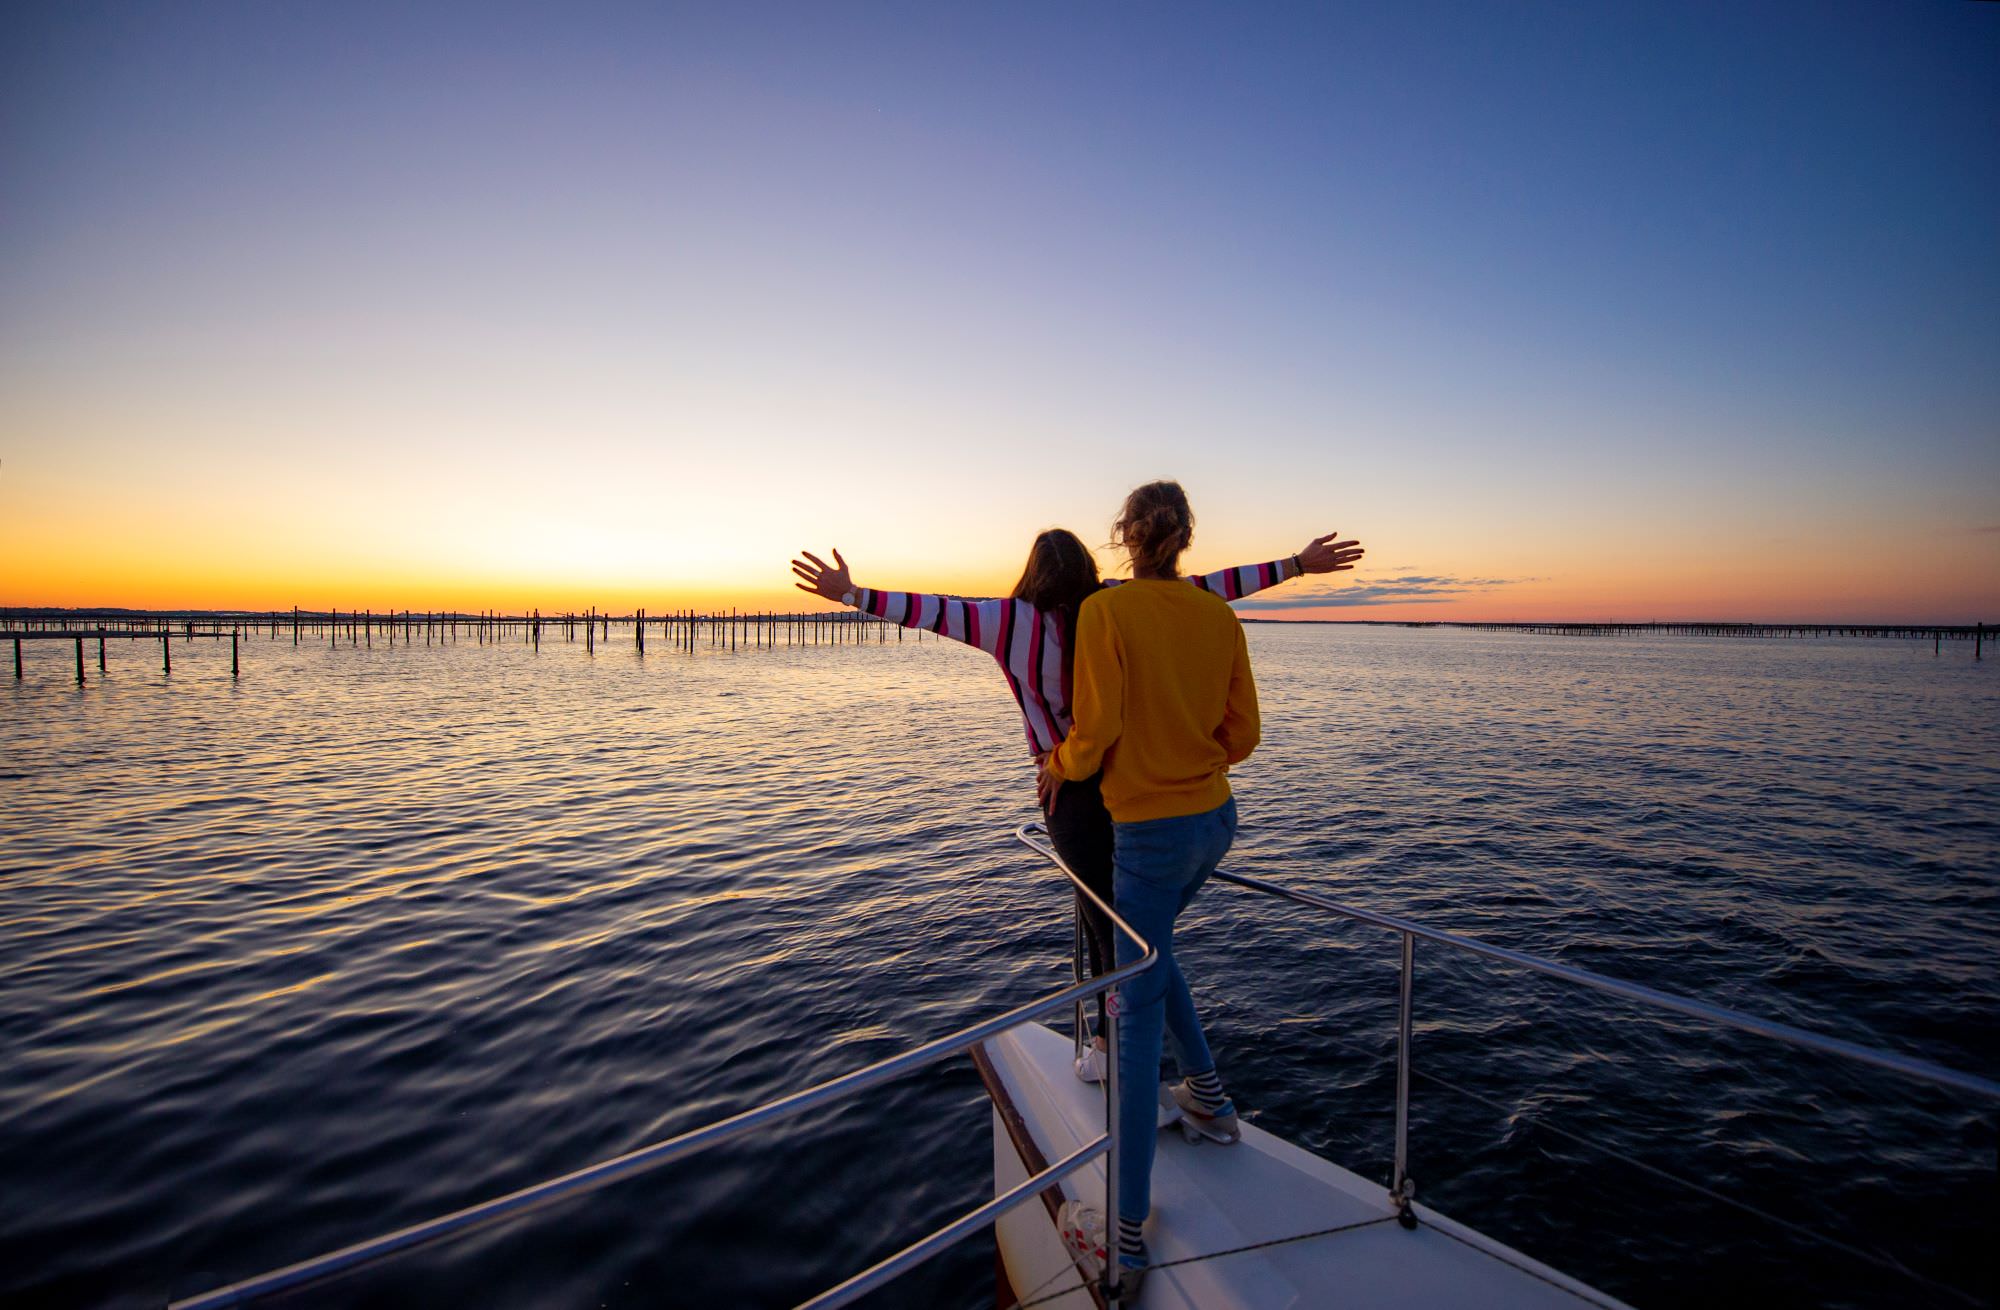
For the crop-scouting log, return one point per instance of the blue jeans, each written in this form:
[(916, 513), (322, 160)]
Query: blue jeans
[(1159, 864)]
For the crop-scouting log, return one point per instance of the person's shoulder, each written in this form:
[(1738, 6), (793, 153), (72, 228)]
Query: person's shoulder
[(1118, 606), (1211, 613)]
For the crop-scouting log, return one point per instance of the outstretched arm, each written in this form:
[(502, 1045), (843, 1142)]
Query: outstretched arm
[(1320, 555), (978, 623)]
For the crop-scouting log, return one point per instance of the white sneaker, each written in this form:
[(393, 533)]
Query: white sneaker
[(1198, 1125), (1090, 1065), (1083, 1236), (1082, 1229)]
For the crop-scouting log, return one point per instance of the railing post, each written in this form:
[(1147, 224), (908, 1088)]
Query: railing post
[(1404, 1188), (1112, 1153), (1081, 1027)]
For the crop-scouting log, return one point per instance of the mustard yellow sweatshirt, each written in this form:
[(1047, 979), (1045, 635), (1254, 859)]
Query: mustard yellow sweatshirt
[(1164, 699)]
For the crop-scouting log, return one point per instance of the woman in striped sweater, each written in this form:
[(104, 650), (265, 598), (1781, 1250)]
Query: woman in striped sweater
[(1032, 634)]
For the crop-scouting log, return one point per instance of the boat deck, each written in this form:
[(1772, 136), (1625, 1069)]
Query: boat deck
[(1212, 1202)]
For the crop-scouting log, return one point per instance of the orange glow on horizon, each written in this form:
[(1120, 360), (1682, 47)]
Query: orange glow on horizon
[(619, 529), (77, 574)]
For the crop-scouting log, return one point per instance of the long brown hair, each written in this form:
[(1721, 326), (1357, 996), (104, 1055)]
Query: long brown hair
[(1155, 525), (1059, 576)]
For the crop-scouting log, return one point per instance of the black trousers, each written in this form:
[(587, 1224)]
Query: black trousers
[(1080, 830)]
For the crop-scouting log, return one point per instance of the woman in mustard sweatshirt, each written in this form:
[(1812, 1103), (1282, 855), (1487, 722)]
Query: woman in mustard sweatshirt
[(1164, 705)]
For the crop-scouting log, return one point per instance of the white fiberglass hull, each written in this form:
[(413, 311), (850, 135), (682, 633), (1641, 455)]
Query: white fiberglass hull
[(1209, 1199)]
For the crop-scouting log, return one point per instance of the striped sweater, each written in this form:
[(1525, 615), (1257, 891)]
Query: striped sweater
[(1028, 642)]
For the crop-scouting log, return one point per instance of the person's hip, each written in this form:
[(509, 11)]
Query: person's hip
[(1171, 850)]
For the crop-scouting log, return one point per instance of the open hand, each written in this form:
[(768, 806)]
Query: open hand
[(822, 579), (1325, 555)]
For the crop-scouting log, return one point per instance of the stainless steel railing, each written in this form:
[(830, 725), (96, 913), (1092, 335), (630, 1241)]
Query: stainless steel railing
[(647, 1158), (1403, 1188)]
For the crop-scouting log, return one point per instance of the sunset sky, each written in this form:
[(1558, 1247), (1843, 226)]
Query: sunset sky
[(1598, 311)]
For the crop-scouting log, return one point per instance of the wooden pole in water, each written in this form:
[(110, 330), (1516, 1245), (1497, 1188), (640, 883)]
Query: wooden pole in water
[(235, 667), (166, 653), (79, 661), (100, 652), (17, 659)]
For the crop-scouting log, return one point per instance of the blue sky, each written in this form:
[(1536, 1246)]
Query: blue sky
[(1660, 303)]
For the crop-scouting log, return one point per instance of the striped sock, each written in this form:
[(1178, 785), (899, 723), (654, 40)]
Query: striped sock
[(1131, 1246), (1207, 1090)]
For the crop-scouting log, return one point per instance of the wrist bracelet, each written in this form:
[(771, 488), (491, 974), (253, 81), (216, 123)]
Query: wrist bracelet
[(1298, 569)]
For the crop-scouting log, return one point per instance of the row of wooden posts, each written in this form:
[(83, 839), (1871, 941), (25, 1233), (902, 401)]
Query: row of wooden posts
[(165, 639), (687, 630), (690, 630), (1973, 632)]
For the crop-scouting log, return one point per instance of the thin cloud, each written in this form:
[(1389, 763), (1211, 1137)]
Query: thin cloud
[(1408, 589)]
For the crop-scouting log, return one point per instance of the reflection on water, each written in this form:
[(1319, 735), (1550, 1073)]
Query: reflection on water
[(374, 933)]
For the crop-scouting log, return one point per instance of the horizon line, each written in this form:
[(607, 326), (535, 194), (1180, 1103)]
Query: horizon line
[(405, 615)]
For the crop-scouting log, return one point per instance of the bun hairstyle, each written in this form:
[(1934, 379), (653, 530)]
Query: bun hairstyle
[(1155, 526)]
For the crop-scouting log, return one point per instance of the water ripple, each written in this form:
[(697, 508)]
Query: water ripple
[(375, 933)]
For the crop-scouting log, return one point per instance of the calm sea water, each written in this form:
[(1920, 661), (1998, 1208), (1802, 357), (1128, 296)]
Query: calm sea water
[(374, 933)]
